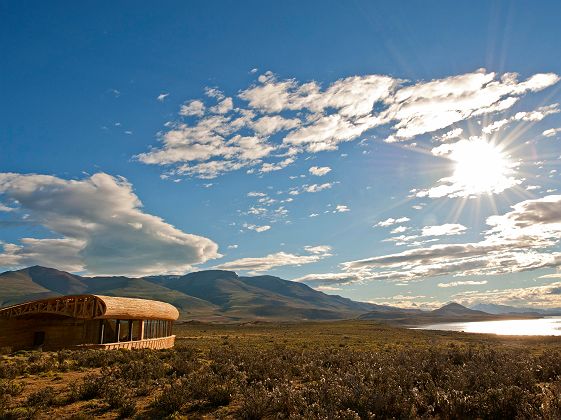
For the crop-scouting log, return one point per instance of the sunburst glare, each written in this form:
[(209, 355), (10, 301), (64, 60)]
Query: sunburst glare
[(481, 167)]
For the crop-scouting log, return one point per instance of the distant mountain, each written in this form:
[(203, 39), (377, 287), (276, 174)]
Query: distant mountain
[(451, 312), (205, 295), (494, 308), (455, 309)]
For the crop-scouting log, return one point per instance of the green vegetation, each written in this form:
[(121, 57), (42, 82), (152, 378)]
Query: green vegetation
[(339, 370)]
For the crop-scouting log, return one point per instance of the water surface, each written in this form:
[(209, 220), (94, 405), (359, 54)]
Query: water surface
[(541, 326)]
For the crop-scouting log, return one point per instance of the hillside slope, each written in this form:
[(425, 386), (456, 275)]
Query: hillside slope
[(206, 295)]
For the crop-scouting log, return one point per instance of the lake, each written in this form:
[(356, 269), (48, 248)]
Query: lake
[(541, 326)]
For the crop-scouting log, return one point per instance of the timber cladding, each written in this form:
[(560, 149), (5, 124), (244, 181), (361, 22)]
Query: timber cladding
[(88, 321)]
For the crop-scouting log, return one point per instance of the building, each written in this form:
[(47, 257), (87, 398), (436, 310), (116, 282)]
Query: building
[(88, 321)]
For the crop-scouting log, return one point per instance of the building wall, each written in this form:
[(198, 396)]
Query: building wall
[(64, 332), (59, 332)]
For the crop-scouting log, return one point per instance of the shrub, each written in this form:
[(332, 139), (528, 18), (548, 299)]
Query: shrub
[(43, 398)]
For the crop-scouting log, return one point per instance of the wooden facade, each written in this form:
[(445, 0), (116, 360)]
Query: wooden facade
[(88, 321)]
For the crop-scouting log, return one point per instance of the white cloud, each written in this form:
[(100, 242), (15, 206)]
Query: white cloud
[(6, 209), (256, 194), (328, 279), (319, 170), (233, 246), (318, 249), (193, 108), (317, 187), (100, 228), (399, 229), (270, 167), (551, 132), (519, 240), (527, 116), (430, 106), (162, 97), (450, 135), (268, 125), (445, 229), (547, 296), (223, 107), (495, 126), (278, 259), (313, 118), (256, 228), (462, 283), (391, 221), (341, 209)]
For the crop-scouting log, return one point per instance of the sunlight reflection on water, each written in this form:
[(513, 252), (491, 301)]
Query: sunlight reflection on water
[(542, 326)]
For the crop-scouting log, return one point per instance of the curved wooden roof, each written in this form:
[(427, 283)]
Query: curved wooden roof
[(94, 307)]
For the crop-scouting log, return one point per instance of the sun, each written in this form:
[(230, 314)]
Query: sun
[(480, 167)]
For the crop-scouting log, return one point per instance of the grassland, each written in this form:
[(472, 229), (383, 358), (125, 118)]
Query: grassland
[(336, 370)]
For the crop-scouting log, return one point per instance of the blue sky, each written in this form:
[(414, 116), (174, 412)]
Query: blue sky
[(397, 152)]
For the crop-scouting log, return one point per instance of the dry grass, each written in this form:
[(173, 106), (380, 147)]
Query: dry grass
[(337, 370)]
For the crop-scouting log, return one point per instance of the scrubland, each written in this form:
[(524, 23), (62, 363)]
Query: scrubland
[(335, 370)]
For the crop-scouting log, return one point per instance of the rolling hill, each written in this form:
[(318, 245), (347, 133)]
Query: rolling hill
[(212, 295)]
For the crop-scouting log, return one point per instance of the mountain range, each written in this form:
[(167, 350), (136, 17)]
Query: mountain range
[(212, 295), (223, 296)]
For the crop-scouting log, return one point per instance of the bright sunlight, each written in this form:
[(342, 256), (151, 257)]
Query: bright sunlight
[(481, 167)]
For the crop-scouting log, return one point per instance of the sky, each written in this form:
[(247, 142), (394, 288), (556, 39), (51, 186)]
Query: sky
[(402, 153)]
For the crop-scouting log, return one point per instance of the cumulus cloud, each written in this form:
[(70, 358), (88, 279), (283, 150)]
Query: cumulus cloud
[(340, 208), (223, 107), (278, 259), (100, 228), (319, 170), (268, 125), (292, 117), (192, 108)]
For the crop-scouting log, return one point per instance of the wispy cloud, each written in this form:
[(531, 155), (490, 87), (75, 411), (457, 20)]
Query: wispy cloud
[(462, 283), (519, 240), (391, 221), (278, 259), (547, 296)]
